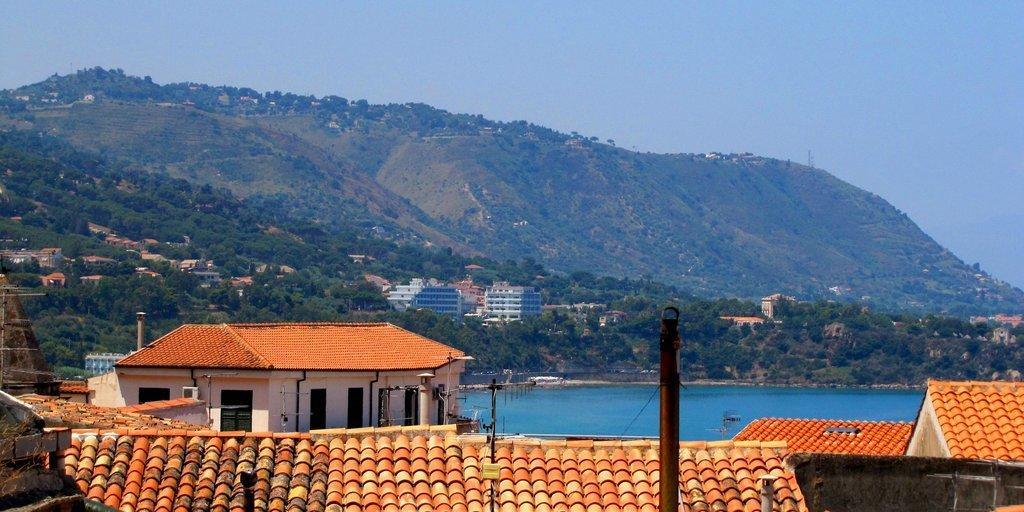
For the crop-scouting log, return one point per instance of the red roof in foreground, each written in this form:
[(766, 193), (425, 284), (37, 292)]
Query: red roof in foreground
[(832, 436), (298, 346), (62, 412), (74, 387), (980, 419), (168, 470), (161, 405)]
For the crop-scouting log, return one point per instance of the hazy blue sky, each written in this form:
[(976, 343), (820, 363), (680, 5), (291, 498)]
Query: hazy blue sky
[(921, 103)]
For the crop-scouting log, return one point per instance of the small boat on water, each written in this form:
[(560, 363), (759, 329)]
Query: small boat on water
[(547, 381)]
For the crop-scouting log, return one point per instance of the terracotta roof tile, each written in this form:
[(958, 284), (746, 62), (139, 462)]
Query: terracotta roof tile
[(831, 436), (147, 472), (74, 387), (980, 419), (307, 346), (161, 405), (78, 415)]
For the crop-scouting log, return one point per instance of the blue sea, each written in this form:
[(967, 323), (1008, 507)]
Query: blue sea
[(621, 410)]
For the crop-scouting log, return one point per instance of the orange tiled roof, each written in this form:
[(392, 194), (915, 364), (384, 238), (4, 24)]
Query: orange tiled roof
[(159, 405), (152, 470), (78, 415), (74, 387), (980, 419), (831, 436), (297, 346)]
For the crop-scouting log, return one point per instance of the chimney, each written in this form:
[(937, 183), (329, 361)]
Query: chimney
[(767, 492), (140, 330), (425, 397), (669, 418), (248, 481)]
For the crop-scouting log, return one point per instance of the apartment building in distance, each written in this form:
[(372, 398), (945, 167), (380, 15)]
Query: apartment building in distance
[(504, 302), (99, 363), (419, 294)]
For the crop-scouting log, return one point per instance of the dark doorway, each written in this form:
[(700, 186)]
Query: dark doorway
[(236, 409), (154, 394), (317, 409), (411, 395), (442, 404), (355, 407)]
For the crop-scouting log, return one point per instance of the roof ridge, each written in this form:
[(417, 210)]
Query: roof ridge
[(974, 383), (154, 343), (308, 324), (245, 345), (424, 338), (883, 422)]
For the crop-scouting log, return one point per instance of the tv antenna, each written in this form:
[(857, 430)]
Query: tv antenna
[(810, 159), (729, 418)]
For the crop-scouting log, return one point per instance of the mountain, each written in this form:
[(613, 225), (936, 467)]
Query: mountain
[(713, 224), (54, 195)]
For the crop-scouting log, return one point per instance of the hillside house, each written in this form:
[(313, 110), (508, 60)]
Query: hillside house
[(54, 280), (92, 279), (293, 377), (770, 304), (361, 258), (97, 260), (611, 318), (152, 256), (47, 257), (147, 272), (122, 242), (743, 320)]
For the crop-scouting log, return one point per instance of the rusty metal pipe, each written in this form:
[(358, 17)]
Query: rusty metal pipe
[(669, 428)]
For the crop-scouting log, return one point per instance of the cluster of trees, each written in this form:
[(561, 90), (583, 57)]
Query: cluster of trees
[(56, 190)]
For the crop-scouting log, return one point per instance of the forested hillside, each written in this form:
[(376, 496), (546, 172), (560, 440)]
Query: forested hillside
[(54, 196), (711, 224)]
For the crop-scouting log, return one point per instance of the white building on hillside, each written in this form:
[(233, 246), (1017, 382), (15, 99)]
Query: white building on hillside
[(505, 302), (400, 297)]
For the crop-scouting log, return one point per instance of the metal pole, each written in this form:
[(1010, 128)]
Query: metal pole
[(494, 433), (669, 428), (3, 332)]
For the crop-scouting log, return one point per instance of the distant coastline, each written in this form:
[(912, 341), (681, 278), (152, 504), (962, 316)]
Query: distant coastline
[(709, 382)]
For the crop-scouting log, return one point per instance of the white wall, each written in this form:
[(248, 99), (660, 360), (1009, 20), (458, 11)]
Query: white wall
[(274, 392)]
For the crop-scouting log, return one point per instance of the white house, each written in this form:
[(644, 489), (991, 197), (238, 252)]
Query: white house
[(293, 377)]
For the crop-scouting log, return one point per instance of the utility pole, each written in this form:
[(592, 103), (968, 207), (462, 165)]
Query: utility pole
[(494, 387), (669, 429), (3, 322)]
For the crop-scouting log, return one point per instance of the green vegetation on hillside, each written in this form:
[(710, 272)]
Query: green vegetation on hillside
[(710, 224), (57, 191)]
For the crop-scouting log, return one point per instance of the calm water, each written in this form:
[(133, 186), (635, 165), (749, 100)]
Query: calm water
[(607, 410)]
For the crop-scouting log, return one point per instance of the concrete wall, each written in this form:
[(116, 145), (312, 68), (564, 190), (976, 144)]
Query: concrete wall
[(927, 439), (853, 483), (194, 414), (105, 390)]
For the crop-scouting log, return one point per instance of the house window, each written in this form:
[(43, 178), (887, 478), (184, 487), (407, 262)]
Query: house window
[(355, 407), (154, 394), (236, 409), (411, 403), (317, 409)]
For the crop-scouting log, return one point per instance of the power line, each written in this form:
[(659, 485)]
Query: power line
[(641, 411)]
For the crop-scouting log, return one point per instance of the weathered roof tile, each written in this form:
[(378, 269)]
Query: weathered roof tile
[(143, 471), (830, 436), (295, 346)]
